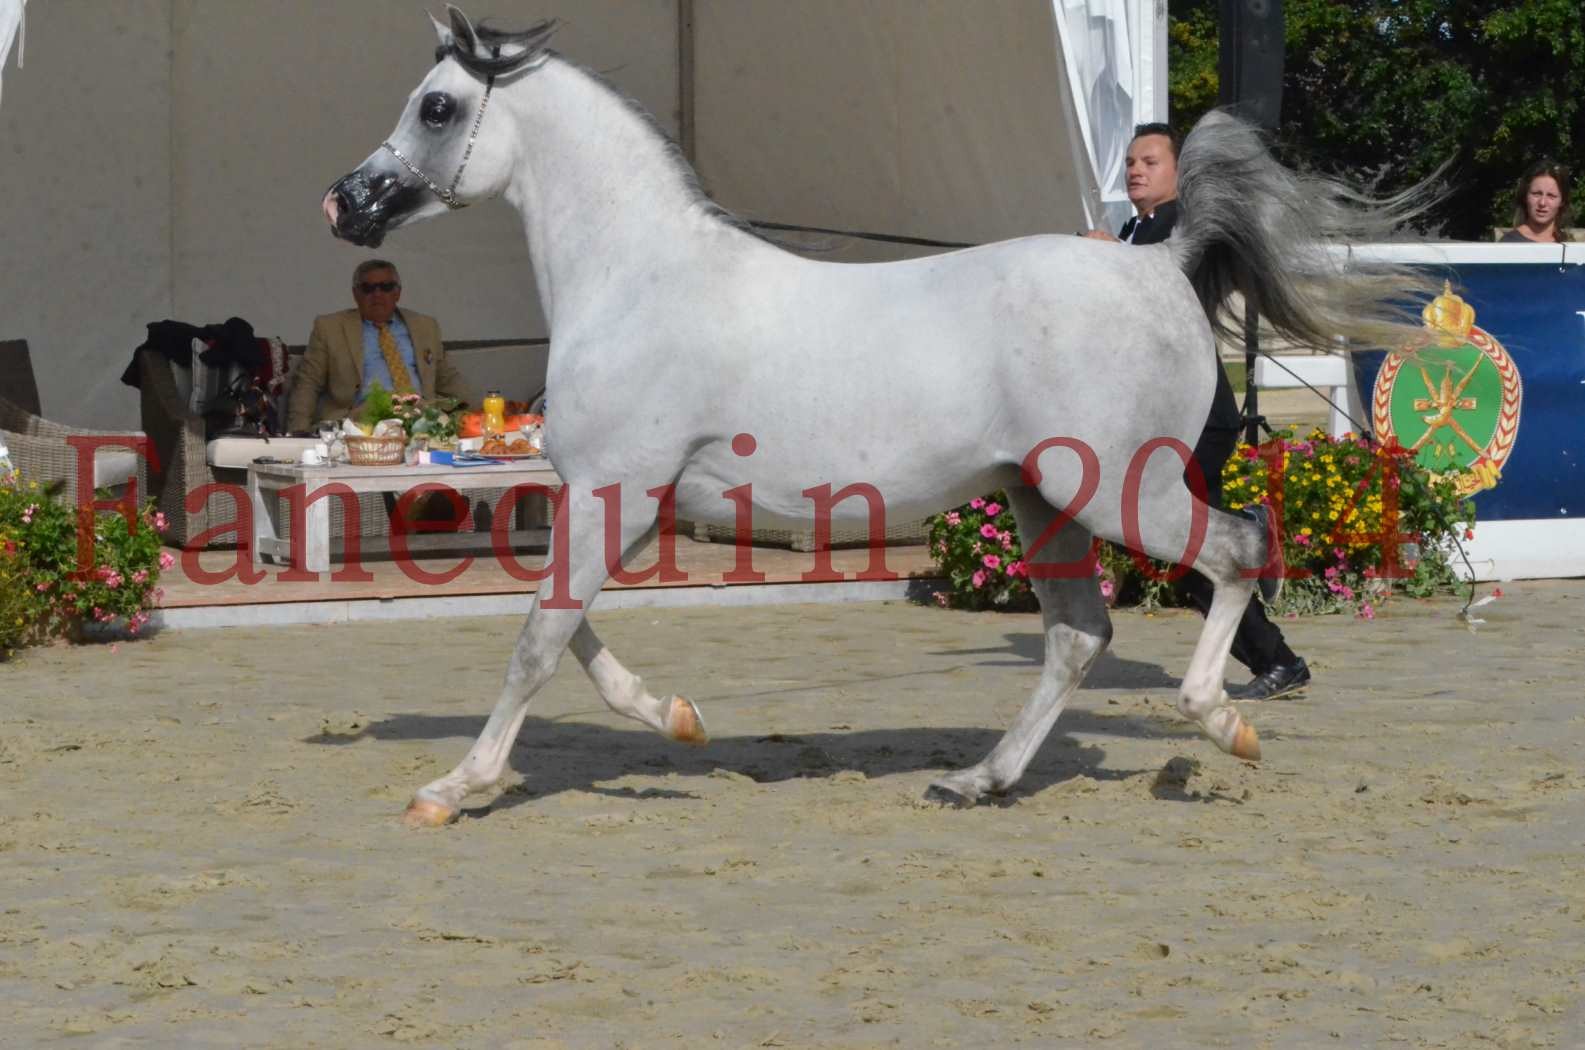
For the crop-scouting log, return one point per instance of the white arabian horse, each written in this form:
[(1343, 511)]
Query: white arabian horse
[(675, 331), (11, 29)]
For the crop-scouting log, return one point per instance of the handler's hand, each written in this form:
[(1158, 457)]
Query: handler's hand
[(1102, 235)]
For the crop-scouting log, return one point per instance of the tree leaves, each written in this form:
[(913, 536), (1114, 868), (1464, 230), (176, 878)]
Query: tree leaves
[(1385, 91)]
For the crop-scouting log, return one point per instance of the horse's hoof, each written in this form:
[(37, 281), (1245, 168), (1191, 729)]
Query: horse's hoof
[(1246, 743), (942, 795), (427, 813), (684, 724)]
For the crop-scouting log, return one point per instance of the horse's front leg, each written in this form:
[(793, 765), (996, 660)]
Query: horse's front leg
[(624, 692), (538, 651), (1077, 630)]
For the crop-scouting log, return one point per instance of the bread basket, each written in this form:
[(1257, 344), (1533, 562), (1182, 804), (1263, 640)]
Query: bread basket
[(376, 451)]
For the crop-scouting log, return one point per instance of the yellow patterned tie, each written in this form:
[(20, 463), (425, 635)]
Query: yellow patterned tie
[(401, 378)]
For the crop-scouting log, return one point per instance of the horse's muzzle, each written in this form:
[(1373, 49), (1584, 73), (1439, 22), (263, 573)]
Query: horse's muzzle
[(360, 206)]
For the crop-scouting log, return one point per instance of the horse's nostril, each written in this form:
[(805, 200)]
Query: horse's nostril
[(349, 193), (360, 191)]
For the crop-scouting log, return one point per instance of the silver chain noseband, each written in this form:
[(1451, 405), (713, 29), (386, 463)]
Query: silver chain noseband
[(448, 195)]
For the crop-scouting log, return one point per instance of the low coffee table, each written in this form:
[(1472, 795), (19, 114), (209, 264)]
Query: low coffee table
[(266, 478)]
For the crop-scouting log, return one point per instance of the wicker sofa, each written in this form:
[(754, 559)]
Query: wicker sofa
[(39, 448)]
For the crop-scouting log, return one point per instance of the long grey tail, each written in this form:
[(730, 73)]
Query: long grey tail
[(1247, 224)]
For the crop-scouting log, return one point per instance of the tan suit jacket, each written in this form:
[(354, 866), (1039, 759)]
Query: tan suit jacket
[(332, 367)]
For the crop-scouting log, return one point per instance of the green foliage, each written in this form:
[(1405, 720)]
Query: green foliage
[(378, 404), (1192, 48), (42, 592), (1385, 91), (16, 603)]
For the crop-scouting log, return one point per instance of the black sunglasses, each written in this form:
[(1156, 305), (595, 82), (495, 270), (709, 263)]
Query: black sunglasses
[(370, 287)]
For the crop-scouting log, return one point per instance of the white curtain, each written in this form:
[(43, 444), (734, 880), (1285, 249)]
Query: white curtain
[(1115, 52), (10, 29)]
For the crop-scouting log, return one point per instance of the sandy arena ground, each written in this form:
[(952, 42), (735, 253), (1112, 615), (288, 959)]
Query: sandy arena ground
[(199, 841)]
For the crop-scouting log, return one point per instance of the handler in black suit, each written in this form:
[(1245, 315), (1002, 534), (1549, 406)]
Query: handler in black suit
[(1153, 189)]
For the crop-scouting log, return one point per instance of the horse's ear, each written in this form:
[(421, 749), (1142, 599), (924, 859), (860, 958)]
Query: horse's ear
[(462, 31), (539, 35), (442, 30)]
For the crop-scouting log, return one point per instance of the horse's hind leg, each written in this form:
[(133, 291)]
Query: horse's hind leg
[(1077, 630), (624, 692), (1232, 547), (539, 647)]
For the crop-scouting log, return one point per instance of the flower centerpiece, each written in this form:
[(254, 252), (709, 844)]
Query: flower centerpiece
[(429, 422)]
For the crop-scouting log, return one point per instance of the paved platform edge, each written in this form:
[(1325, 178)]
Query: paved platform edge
[(283, 613)]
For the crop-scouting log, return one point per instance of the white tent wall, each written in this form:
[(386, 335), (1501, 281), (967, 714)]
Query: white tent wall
[(923, 118), (85, 198), (165, 158)]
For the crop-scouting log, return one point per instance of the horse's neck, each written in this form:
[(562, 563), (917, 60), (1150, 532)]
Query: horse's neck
[(598, 190)]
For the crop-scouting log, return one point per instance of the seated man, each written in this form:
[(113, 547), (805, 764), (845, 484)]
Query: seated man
[(351, 349)]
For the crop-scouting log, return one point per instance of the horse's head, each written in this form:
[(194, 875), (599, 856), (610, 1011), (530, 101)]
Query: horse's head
[(441, 154)]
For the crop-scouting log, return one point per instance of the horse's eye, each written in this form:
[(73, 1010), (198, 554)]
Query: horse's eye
[(437, 108)]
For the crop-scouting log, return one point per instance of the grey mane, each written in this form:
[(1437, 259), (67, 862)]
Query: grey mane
[(673, 154), (500, 53), (526, 51)]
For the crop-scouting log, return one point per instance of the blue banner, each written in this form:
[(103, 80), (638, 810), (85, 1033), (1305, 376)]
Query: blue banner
[(1500, 400)]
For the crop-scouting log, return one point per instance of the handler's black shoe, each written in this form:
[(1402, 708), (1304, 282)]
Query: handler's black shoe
[(1279, 681)]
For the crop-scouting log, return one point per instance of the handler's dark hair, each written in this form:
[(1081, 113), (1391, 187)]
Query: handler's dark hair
[(1565, 215), (1160, 128)]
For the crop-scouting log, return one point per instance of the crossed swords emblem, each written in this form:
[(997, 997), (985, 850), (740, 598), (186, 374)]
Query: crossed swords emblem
[(1445, 398)]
